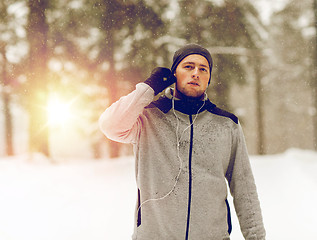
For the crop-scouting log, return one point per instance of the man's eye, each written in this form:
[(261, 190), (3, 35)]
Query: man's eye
[(203, 69), (188, 66)]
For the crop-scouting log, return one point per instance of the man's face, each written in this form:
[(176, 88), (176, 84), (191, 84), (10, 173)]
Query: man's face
[(192, 76)]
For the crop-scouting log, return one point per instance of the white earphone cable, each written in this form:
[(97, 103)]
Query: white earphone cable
[(178, 140)]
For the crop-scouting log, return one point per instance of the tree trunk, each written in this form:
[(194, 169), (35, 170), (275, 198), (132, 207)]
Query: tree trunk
[(114, 147), (314, 78), (112, 87), (259, 104), (219, 86), (37, 81), (6, 107)]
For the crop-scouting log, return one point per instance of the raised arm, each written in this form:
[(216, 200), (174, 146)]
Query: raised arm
[(120, 122)]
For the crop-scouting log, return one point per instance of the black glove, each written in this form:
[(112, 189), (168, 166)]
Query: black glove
[(160, 79)]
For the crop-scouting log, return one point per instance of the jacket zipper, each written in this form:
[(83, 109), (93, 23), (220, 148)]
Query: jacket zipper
[(189, 174)]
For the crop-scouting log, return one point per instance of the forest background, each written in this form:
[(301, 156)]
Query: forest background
[(62, 62)]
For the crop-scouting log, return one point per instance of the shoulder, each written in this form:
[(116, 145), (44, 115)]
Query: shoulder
[(212, 108), (163, 103)]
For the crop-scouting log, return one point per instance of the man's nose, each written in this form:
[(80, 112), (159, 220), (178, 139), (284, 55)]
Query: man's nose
[(196, 73)]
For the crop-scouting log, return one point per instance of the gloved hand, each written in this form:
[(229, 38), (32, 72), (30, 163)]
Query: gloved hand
[(160, 79)]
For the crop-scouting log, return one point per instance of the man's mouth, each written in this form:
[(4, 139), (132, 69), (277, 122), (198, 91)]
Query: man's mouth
[(193, 83)]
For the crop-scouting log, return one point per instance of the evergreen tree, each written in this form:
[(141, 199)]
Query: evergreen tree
[(110, 44), (233, 32), (288, 79), (225, 24), (127, 31)]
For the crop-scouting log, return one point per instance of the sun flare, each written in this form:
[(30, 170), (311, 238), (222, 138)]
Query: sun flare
[(58, 111)]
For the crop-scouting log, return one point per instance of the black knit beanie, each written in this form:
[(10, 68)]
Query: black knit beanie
[(189, 49)]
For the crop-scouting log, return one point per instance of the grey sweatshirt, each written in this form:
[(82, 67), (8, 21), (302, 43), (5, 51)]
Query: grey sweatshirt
[(185, 153)]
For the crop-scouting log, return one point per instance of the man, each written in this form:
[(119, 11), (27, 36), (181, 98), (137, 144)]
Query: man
[(185, 150)]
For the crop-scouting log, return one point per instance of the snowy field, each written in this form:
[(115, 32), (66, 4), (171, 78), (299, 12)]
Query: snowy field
[(94, 200)]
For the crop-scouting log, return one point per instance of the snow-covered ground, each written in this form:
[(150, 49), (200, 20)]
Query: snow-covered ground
[(87, 199)]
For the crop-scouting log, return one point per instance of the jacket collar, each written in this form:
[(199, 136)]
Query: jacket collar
[(186, 106), (165, 104)]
